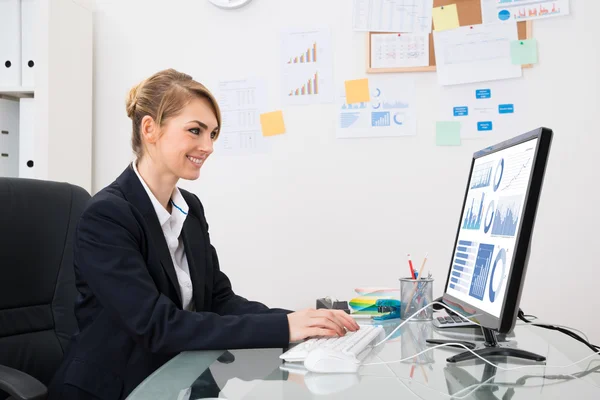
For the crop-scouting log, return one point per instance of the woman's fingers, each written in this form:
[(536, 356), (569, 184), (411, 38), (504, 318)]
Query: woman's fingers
[(324, 322)]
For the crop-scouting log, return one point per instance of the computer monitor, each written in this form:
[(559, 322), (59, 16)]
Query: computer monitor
[(491, 248)]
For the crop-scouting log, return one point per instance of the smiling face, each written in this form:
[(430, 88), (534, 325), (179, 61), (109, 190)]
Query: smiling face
[(183, 142)]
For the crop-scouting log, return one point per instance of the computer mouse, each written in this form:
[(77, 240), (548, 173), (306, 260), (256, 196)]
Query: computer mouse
[(326, 360)]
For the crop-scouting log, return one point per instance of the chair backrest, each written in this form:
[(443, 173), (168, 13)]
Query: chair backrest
[(37, 284)]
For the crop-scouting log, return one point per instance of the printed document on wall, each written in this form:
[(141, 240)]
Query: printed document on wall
[(241, 102), (392, 15), (475, 53), (486, 109), (307, 67), (394, 50), (391, 111), (522, 10)]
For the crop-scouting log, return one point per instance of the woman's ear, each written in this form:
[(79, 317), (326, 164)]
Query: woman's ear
[(149, 129)]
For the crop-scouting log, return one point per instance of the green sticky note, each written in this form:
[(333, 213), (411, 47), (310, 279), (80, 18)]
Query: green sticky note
[(524, 52), (447, 133)]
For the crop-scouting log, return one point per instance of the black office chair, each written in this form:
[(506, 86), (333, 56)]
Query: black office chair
[(37, 285)]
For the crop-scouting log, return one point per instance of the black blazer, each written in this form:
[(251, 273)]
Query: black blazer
[(129, 308)]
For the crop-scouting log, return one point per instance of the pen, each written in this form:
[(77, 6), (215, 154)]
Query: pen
[(410, 265)]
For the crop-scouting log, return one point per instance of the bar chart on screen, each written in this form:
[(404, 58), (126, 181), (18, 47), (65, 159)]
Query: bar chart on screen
[(474, 212), (463, 266), (507, 216), (482, 270), (482, 175)]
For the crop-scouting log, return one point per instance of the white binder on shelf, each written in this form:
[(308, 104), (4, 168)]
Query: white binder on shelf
[(28, 32), (10, 43), (27, 154), (9, 138)]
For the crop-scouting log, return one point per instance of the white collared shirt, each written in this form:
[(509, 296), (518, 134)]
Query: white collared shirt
[(171, 225)]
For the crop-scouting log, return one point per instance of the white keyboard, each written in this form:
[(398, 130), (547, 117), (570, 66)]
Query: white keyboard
[(356, 344)]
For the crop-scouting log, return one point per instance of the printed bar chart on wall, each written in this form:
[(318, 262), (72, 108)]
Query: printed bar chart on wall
[(309, 56), (311, 87), (307, 66)]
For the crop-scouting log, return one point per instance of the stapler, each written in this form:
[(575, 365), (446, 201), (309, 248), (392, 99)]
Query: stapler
[(389, 306)]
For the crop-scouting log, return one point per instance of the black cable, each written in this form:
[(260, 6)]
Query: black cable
[(567, 332)]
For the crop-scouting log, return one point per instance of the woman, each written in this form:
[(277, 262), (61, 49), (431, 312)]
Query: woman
[(149, 280)]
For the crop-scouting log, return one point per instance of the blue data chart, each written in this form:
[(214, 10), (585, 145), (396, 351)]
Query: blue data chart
[(507, 216), (482, 269), (498, 174), (348, 119), (482, 175), (489, 217), (390, 105), (498, 271), (380, 118), (474, 213), (463, 265), (354, 106), (504, 15)]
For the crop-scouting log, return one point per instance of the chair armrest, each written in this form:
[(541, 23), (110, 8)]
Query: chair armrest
[(20, 385)]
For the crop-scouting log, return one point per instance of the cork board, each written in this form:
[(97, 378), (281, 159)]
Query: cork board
[(469, 13)]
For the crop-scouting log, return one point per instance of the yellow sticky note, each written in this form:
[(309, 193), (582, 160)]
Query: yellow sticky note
[(357, 91), (272, 123), (445, 17)]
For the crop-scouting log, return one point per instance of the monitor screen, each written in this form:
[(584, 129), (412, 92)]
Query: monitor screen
[(489, 227)]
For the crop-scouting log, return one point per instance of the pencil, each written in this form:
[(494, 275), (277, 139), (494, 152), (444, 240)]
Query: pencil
[(423, 266)]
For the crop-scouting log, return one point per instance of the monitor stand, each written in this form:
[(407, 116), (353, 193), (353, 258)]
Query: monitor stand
[(491, 347)]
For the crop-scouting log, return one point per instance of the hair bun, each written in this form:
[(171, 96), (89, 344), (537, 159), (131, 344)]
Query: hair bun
[(132, 98)]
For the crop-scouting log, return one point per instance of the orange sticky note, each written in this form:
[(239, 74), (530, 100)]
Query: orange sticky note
[(445, 17), (272, 123), (357, 91)]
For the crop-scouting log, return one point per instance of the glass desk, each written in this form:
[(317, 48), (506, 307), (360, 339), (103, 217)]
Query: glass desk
[(260, 374)]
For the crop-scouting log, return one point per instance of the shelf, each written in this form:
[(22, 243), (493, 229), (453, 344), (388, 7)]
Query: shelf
[(15, 91)]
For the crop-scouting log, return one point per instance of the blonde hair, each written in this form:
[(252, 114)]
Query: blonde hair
[(162, 96)]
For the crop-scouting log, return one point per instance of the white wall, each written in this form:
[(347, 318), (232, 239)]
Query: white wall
[(318, 216)]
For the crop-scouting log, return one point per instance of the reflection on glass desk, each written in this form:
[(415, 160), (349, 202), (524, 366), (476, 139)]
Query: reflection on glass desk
[(260, 374)]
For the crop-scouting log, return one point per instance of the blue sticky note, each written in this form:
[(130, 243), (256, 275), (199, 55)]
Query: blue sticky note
[(506, 108), (447, 133), (483, 93), (484, 126), (461, 111), (524, 52)]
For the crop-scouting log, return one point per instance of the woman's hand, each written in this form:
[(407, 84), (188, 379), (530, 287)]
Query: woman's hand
[(322, 322)]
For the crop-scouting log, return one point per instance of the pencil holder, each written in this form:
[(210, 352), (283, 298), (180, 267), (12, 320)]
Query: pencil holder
[(414, 295)]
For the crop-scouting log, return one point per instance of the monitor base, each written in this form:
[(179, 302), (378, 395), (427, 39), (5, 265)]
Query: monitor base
[(491, 347)]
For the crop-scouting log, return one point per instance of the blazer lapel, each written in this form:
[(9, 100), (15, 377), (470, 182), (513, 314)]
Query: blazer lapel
[(136, 194), (162, 249), (195, 251)]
